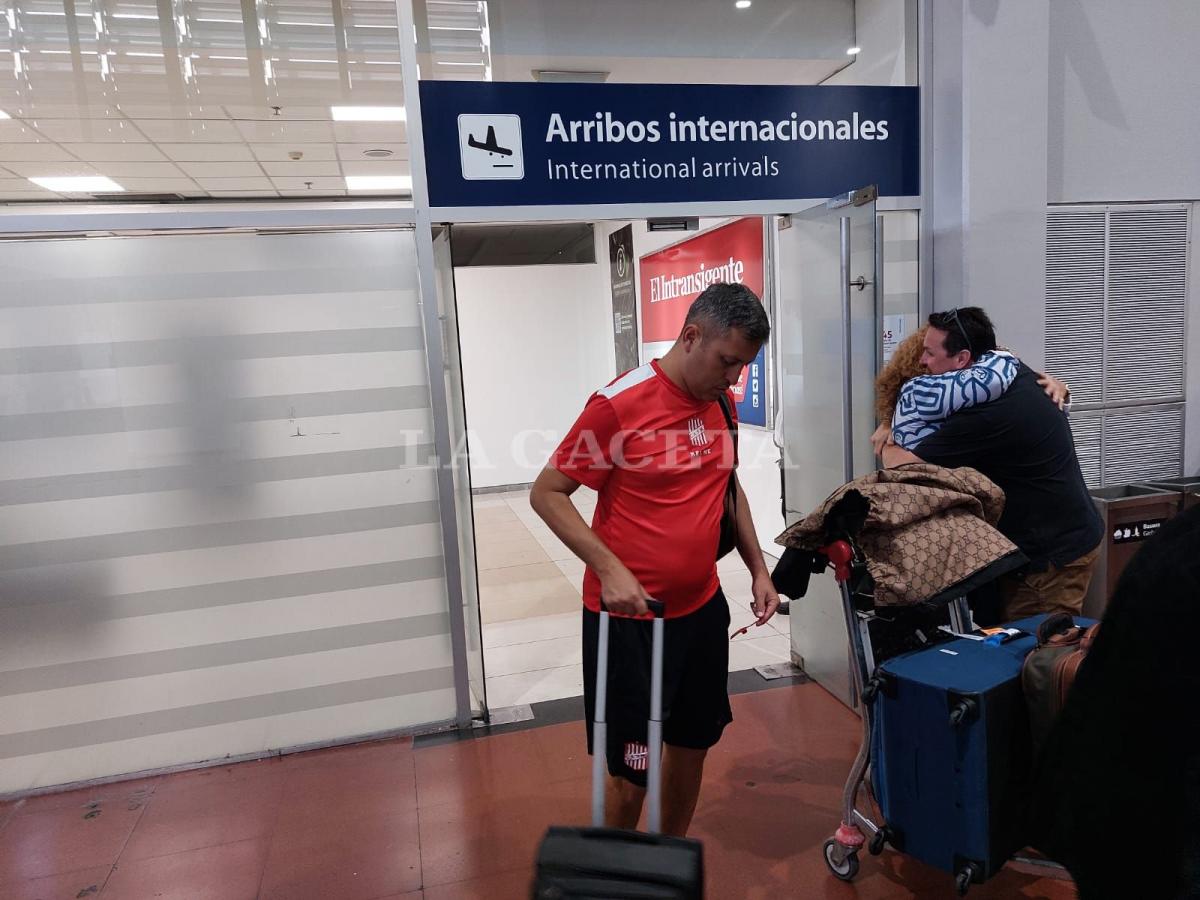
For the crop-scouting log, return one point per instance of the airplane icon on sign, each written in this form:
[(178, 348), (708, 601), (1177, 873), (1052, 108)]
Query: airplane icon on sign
[(490, 144)]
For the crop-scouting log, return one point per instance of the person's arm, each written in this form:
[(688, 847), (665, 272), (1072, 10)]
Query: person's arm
[(551, 499), (881, 437), (766, 598), (587, 456), (894, 456), (1058, 391)]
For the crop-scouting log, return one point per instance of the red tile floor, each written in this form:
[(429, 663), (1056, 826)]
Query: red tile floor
[(456, 820)]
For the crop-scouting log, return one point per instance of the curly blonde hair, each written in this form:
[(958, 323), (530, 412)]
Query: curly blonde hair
[(904, 365)]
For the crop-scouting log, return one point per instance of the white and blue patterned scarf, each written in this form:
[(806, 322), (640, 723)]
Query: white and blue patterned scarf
[(929, 400)]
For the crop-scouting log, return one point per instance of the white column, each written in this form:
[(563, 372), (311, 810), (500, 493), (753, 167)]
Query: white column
[(985, 82)]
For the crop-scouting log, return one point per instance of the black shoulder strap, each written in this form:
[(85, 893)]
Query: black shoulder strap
[(723, 402)]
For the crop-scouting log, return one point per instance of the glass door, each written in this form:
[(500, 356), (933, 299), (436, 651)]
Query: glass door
[(830, 315), (448, 311)]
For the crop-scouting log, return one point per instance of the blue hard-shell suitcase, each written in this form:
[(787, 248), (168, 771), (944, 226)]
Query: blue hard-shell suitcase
[(951, 754)]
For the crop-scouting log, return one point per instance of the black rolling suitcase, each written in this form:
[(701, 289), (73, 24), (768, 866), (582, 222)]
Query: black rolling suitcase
[(610, 863)]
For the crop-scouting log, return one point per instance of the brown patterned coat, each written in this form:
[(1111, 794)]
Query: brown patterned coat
[(928, 529)]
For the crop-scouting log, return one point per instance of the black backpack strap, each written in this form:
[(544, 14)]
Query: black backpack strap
[(723, 402)]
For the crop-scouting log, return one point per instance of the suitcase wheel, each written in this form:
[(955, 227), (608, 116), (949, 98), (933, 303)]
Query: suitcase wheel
[(967, 874), (878, 841), (842, 861)]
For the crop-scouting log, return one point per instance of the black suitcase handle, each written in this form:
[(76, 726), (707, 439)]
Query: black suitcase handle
[(657, 608)]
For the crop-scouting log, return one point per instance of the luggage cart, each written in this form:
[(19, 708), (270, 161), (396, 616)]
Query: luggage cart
[(849, 567), (856, 829)]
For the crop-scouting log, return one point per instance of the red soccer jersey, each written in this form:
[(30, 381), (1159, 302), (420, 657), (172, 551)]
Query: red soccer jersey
[(660, 461)]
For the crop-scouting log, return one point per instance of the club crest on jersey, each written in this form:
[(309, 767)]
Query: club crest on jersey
[(637, 756), (696, 432)]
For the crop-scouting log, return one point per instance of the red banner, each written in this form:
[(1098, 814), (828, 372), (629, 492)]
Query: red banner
[(671, 279)]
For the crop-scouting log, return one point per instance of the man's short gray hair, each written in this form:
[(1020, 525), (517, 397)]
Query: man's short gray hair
[(725, 306)]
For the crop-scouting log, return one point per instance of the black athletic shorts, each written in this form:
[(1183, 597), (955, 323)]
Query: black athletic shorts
[(695, 702)]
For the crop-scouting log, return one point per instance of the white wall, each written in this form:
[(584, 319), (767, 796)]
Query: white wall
[(1123, 89), (987, 200), (885, 30), (536, 342)]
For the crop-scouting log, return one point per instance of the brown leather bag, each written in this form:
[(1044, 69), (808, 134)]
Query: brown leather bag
[(1050, 670), (729, 530)]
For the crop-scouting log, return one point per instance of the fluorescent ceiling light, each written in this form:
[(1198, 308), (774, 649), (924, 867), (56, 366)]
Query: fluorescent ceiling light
[(742, 4), (78, 184), (368, 113), (4, 115), (379, 182), (854, 51)]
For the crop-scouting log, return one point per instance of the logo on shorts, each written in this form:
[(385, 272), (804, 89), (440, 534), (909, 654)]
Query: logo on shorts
[(637, 756), (696, 432)]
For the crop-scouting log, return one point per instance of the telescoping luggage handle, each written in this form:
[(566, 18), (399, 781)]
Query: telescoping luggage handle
[(654, 732)]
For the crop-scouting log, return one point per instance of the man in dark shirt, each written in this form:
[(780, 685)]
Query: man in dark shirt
[(1022, 442)]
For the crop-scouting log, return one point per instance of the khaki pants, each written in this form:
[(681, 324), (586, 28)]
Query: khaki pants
[(1055, 590)]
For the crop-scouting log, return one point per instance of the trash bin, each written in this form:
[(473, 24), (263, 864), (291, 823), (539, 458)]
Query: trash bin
[(1186, 486), (1131, 513)]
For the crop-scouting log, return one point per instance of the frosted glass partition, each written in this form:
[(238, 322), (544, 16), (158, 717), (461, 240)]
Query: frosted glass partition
[(219, 523)]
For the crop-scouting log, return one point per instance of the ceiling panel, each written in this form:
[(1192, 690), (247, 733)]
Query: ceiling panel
[(302, 168), (236, 184), (18, 133), (279, 152), (370, 132), (140, 170), (222, 169), (134, 152), (93, 131), (204, 132), (376, 167), (302, 184), (121, 93), (281, 113), (10, 183), (185, 110), (30, 152), (286, 132), (35, 109), (207, 152), (43, 169)]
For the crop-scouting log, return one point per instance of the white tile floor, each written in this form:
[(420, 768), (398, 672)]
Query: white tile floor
[(530, 592)]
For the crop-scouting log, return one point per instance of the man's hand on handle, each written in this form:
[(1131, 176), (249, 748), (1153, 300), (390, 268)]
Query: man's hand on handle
[(622, 594)]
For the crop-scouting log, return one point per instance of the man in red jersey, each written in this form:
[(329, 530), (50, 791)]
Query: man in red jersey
[(656, 446)]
